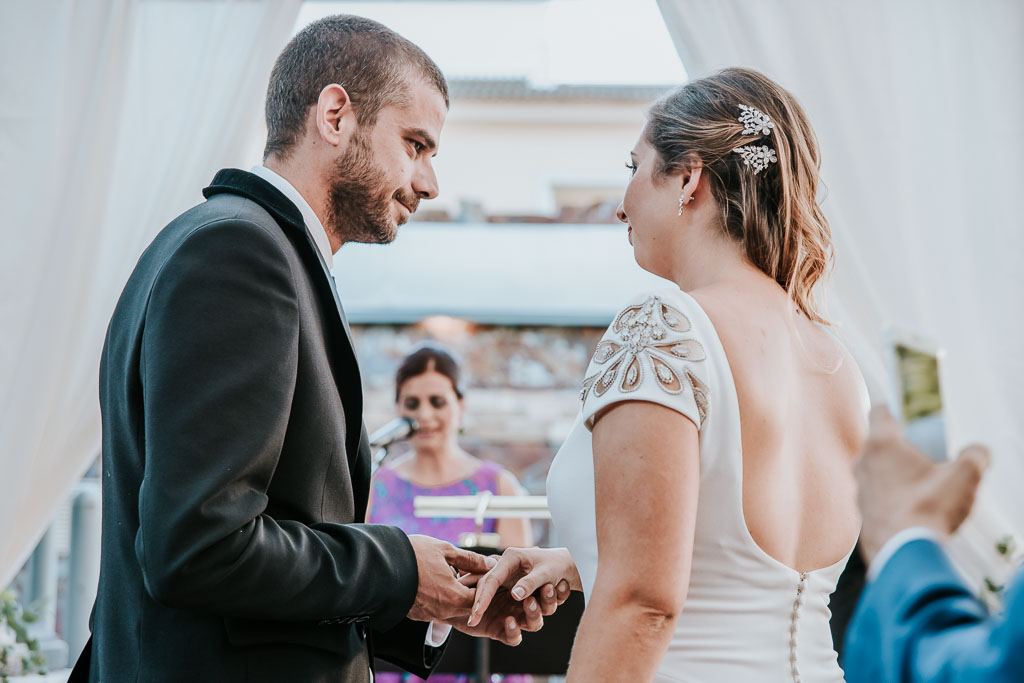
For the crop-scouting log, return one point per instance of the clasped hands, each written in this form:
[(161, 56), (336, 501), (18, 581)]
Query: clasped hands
[(494, 597)]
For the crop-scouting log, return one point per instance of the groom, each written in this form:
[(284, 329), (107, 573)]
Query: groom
[(235, 460)]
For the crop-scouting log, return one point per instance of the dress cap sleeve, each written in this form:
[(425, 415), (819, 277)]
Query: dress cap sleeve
[(651, 352)]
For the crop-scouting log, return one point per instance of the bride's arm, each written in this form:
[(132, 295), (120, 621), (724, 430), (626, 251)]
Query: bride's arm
[(646, 475)]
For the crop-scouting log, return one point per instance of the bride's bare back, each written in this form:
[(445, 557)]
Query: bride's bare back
[(802, 419)]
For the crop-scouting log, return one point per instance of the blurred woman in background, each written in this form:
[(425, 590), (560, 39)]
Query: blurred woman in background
[(427, 389)]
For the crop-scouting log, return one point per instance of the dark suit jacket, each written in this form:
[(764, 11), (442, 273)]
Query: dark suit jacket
[(236, 465), (918, 622)]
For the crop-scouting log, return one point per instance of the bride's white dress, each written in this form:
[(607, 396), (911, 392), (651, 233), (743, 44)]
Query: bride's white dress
[(747, 616)]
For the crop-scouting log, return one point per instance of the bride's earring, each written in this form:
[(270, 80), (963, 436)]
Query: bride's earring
[(683, 199)]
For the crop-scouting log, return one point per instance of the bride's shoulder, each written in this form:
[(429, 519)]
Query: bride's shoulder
[(654, 350), (667, 293), (657, 316), (669, 305)]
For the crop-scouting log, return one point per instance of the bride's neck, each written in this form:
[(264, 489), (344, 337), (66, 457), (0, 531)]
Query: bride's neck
[(705, 256)]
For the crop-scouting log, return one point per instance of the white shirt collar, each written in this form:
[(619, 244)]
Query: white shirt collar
[(313, 224)]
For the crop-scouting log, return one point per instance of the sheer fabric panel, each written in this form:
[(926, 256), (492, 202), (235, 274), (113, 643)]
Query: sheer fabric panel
[(916, 105), (114, 114)]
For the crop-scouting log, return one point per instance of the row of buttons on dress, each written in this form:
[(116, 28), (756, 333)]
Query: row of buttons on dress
[(794, 669)]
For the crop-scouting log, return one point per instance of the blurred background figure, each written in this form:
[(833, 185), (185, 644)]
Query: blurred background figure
[(428, 390)]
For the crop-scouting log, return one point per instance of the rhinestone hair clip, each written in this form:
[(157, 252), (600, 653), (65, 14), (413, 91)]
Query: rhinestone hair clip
[(756, 122), (758, 156)]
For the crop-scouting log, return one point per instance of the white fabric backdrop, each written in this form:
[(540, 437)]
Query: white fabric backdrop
[(113, 116), (917, 105)]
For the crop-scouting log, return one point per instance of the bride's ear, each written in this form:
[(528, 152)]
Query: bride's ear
[(691, 179)]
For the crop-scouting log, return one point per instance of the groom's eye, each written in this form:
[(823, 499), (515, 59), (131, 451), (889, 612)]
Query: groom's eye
[(412, 403), (417, 146), (438, 402)]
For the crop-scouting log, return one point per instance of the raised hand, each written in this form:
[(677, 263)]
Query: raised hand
[(544, 575), (440, 596), (899, 487)]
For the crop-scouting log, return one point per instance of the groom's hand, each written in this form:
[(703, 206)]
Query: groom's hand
[(440, 596)]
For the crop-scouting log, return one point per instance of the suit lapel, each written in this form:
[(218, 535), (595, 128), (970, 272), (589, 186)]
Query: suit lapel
[(354, 404), (329, 276), (348, 381)]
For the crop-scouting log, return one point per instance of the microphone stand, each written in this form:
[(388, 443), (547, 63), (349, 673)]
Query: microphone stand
[(397, 430), (378, 458)]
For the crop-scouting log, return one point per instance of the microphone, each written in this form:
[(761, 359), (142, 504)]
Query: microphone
[(396, 430)]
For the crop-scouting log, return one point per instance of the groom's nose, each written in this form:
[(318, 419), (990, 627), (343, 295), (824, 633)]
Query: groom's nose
[(424, 182)]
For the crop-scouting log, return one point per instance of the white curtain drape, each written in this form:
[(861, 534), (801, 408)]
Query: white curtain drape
[(113, 116), (917, 107)]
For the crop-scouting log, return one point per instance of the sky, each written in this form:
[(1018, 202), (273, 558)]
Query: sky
[(547, 41)]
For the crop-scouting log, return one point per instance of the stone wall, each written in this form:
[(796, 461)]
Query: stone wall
[(521, 385)]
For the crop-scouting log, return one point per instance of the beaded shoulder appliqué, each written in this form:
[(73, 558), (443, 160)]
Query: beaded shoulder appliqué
[(646, 338)]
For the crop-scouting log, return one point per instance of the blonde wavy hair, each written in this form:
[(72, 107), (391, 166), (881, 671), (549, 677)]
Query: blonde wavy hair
[(774, 214)]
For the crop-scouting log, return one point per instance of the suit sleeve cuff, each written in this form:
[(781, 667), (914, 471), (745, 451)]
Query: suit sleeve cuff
[(899, 540), (437, 634)]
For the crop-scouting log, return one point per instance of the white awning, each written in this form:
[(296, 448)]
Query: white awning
[(509, 274)]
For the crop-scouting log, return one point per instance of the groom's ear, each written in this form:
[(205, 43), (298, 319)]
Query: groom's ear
[(334, 116)]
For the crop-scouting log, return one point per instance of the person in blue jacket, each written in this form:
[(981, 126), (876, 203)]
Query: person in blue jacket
[(917, 620)]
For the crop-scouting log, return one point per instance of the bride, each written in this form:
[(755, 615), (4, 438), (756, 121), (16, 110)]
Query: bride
[(705, 493)]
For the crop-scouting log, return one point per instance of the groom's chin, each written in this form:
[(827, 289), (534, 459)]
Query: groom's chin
[(378, 233), (388, 236)]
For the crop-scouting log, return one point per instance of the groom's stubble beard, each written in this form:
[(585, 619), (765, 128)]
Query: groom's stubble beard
[(360, 206)]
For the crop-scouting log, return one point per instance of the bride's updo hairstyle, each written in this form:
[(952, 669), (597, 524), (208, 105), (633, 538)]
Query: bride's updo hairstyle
[(770, 207)]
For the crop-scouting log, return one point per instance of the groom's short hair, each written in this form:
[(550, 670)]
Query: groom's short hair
[(369, 60)]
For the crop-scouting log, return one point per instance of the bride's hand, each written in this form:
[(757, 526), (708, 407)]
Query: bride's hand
[(549, 572)]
